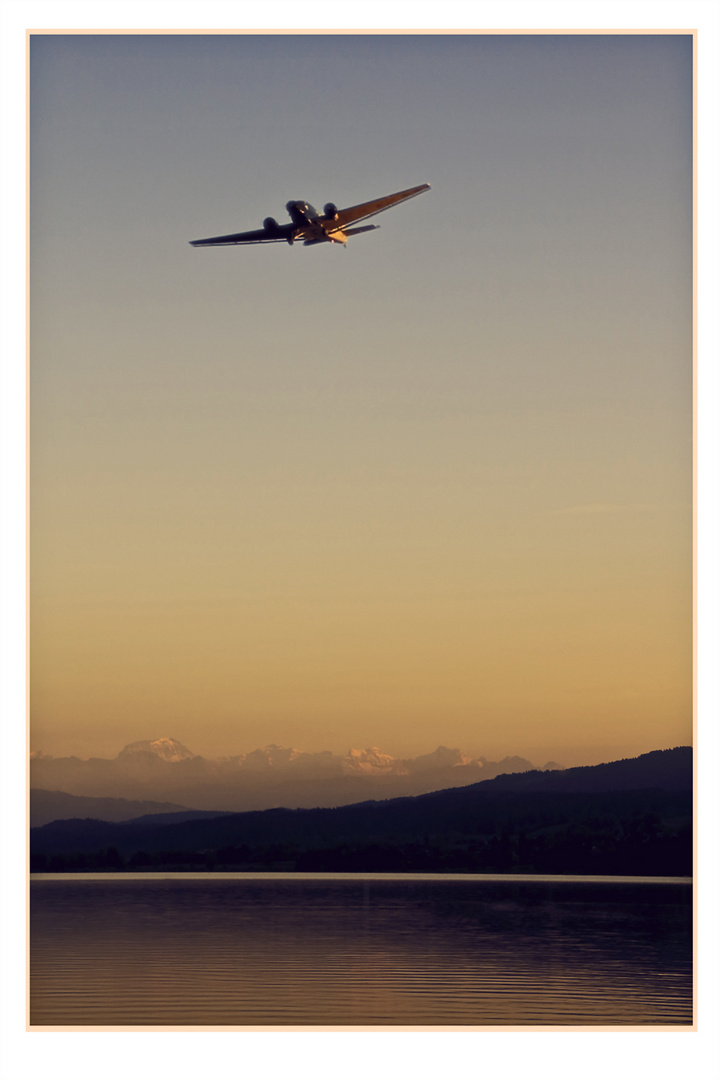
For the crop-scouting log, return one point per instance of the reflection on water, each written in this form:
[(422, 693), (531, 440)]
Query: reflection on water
[(359, 950)]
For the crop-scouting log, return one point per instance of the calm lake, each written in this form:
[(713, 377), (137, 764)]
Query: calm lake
[(346, 950)]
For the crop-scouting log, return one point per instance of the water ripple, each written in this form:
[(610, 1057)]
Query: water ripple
[(307, 952)]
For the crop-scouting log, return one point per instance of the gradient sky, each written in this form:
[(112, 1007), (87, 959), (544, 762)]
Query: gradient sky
[(434, 488)]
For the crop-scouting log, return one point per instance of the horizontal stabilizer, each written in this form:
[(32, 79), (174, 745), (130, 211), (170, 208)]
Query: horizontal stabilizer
[(363, 228)]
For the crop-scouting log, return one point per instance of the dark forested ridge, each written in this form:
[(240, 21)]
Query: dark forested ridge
[(626, 817), (670, 770)]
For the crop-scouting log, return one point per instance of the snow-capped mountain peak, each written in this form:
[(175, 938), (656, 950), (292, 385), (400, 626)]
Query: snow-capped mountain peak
[(166, 749), (370, 760)]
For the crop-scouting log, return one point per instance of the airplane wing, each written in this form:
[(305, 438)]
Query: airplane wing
[(366, 210), (282, 233), (256, 236)]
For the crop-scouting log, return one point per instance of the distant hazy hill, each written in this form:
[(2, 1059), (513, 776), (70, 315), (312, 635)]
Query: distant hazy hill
[(164, 769), (46, 806), (624, 817)]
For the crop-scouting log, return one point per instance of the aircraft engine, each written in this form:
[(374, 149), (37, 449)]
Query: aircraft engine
[(330, 211), (270, 225)]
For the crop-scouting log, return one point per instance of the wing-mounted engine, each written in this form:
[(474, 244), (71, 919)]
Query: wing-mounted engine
[(271, 226), (330, 211)]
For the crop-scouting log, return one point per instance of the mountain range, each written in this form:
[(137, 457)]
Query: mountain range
[(165, 770), (632, 816)]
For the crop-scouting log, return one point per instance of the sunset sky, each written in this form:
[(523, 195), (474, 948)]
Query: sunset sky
[(434, 488)]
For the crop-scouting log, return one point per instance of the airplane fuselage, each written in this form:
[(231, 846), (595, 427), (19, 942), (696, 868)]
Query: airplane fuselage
[(312, 227)]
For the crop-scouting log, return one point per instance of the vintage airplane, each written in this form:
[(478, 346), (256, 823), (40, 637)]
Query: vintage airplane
[(313, 228)]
